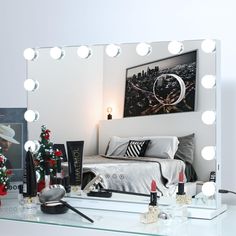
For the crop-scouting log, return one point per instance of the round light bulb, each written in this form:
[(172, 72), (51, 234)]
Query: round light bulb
[(208, 45), (208, 152), (31, 115), (209, 189), (30, 145), (175, 47), (31, 85), (208, 81), (113, 50), (30, 54), (56, 53), (143, 49), (208, 117), (84, 52)]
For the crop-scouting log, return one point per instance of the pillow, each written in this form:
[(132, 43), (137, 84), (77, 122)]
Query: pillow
[(186, 148), (136, 148), (159, 146)]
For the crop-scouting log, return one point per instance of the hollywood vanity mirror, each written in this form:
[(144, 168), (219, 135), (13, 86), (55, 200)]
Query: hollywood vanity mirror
[(170, 89)]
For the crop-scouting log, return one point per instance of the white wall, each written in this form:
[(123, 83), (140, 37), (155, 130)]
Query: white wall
[(69, 98), (28, 23)]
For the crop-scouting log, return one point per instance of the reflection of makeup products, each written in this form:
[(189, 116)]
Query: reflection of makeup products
[(75, 162), (94, 189), (181, 197), (52, 204), (66, 184), (153, 194), (181, 184)]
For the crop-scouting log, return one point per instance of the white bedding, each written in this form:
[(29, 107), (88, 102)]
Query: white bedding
[(135, 174)]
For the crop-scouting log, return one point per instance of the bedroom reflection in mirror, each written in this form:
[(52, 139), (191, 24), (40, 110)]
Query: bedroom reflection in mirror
[(157, 101)]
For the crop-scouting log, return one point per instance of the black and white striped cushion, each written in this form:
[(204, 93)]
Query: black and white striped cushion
[(136, 148)]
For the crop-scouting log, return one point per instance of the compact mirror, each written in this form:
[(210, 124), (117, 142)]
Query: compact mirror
[(75, 93), (52, 203)]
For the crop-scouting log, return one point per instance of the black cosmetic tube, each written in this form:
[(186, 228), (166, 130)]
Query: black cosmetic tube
[(75, 161), (29, 177)]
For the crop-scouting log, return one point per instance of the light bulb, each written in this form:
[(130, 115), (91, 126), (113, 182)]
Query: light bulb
[(208, 152), (109, 110), (113, 50), (208, 45), (33, 145), (31, 115), (175, 47), (209, 189), (84, 52), (30, 54), (143, 49), (208, 117), (56, 53), (31, 85), (208, 81)]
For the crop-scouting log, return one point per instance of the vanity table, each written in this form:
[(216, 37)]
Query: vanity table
[(110, 218), (118, 216)]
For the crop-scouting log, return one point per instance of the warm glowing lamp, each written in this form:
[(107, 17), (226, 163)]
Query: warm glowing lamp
[(109, 110)]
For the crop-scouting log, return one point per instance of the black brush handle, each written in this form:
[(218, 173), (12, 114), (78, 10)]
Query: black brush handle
[(75, 210)]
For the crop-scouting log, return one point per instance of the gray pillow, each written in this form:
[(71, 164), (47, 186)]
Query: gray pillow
[(185, 151)]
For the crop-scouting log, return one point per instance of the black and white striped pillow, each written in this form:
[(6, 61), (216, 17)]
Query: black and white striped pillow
[(136, 148)]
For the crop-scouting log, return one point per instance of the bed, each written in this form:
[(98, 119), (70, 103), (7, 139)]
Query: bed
[(164, 158)]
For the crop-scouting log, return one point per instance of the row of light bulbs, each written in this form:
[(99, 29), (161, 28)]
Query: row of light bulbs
[(113, 50)]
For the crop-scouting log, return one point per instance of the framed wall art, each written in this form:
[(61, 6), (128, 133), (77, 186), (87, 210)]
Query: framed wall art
[(13, 135), (160, 87)]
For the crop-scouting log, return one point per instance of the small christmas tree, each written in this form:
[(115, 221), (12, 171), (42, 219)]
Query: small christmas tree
[(4, 175), (46, 157)]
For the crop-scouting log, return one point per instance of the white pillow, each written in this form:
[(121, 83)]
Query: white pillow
[(159, 146)]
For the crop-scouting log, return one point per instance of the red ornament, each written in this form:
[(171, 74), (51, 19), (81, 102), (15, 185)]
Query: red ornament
[(3, 190), (52, 162), (58, 153), (9, 172), (41, 185), (1, 159)]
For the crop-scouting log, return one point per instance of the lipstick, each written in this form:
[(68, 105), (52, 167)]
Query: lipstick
[(181, 184), (153, 194)]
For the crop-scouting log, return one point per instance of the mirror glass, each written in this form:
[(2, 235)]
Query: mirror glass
[(75, 93)]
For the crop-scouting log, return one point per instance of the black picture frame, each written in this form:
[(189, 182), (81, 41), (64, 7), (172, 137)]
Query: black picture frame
[(151, 88), (16, 153)]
